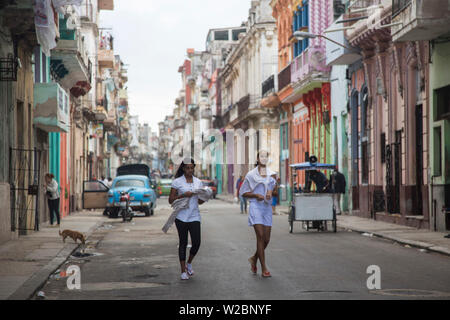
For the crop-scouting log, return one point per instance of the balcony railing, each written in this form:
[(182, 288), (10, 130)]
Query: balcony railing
[(311, 60), (399, 5), (284, 77), (243, 104), (268, 85)]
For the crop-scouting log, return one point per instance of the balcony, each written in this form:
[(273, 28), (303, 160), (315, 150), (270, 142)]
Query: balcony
[(69, 62), (87, 13), (106, 58), (206, 113), (336, 54), (284, 78), (419, 20), (268, 86), (192, 108), (309, 67), (105, 4), (100, 113), (51, 107), (109, 124), (243, 104)]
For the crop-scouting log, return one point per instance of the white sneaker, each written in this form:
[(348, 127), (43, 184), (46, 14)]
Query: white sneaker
[(184, 276), (189, 269)]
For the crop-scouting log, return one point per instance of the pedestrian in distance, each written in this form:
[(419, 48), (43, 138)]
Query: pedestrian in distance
[(259, 186), (242, 200), (53, 195), (338, 187), (187, 220), (275, 198), (110, 182)]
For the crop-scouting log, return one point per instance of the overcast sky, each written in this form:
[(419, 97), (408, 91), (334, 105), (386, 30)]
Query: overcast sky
[(152, 37)]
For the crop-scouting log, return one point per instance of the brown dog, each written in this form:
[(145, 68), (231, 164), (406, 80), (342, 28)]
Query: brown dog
[(75, 235)]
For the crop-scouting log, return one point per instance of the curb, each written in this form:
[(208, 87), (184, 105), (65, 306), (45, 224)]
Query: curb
[(412, 243), (38, 279)]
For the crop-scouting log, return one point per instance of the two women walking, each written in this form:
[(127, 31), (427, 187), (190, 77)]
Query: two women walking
[(259, 186)]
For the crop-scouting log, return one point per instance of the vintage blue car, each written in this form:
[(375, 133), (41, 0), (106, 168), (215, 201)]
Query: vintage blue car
[(142, 196), (134, 178)]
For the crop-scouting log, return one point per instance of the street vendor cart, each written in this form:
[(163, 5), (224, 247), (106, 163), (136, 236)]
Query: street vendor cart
[(314, 210)]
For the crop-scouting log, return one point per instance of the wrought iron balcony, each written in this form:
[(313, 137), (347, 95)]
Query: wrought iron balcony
[(284, 78), (268, 86)]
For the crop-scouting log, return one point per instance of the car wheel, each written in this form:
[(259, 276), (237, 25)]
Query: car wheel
[(147, 212), (152, 212)]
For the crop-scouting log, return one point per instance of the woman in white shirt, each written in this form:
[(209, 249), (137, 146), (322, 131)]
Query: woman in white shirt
[(259, 186), (188, 220), (52, 189)]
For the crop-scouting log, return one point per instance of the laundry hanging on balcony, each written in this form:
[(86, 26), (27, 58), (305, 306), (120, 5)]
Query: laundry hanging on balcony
[(44, 20)]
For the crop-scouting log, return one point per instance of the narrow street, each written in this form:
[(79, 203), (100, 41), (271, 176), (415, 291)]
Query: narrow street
[(138, 261)]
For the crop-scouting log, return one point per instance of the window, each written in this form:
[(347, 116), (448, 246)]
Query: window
[(221, 35), (300, 21), (130, 183), (383, 147), (365, 162), (443, 103), (437, 160), (235, 34)]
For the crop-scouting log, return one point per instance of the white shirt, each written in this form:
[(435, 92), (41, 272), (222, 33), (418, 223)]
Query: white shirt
[(53, 188), (182, 186)]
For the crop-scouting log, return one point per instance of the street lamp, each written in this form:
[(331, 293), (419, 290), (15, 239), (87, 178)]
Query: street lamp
[(300, 35)]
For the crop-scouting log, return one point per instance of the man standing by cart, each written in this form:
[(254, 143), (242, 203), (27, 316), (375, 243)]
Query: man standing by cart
[(338, 187)]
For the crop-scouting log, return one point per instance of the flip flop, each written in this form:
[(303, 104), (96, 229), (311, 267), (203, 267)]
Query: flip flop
[(266, 274), (253, 266)]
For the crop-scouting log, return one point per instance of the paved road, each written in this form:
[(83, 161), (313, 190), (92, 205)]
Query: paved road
[(138, 261)]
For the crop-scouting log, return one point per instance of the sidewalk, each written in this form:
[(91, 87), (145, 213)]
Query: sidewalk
[(26, 263), (419, 238)]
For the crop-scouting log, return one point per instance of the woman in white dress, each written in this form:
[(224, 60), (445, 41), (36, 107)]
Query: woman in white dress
[(259, 186), (188, 220)]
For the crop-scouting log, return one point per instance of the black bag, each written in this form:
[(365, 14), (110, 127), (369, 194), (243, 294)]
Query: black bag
[(49, 194)]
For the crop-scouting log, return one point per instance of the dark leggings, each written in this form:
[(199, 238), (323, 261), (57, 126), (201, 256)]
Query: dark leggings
[(183, 228), (53, 206)]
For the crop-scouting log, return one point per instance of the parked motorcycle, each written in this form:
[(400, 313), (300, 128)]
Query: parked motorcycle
[(124, 209)]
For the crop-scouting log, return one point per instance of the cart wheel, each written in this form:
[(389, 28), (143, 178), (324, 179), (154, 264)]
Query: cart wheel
[(291, 226)]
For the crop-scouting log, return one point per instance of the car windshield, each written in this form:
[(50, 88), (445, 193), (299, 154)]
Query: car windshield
[(166, 182), (130, 183)]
